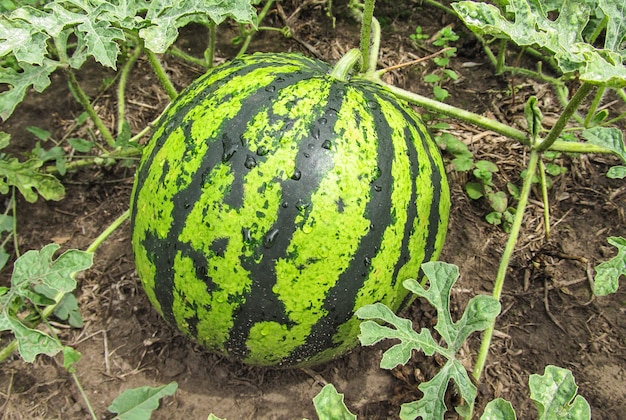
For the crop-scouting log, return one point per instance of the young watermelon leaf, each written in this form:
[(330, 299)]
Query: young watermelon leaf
[(526, 22), (608, 273), (329, 405), (554, 394), (478, 314), (139, 403)]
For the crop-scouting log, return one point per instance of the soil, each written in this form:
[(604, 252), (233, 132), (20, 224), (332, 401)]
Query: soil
[(549, 315)]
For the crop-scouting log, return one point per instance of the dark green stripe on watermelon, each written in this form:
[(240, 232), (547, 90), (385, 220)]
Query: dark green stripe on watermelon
[(274, 200)]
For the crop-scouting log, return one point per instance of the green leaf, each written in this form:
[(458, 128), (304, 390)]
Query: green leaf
[(617, 172), (71, 356), (372, 332), (139, 403), (38, 267), (440, 93), (479, 313), (527, 24), (30, 342), (26, 177), (498, 409), (67, 310), (329, 405), (432, 405), (554, 394), (494, 218), (498, 201), (81, 145), (606, 280), (214, 417), (37, 76), (431, 78), (165, 17), (474, 190), (40, 133), (486, 166), (608, 137)]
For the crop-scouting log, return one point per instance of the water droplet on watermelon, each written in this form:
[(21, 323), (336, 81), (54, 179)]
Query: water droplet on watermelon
[(270, 88), (262, 151), (322, 121), (327, 144), (306, 155), (307, 228), (285, 205), (367, 261), (247, 235), (250, 162), (296, 175), (187, 205), (378, 188), (230, 147), (270, 238), (302, 205)]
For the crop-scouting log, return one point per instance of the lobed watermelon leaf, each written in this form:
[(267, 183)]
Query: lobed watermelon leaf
[(97, 30), (526, 22), (554, 394), (33, 269), (478, 315)]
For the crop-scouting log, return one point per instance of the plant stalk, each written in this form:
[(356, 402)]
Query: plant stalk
[(84, 395), (566, 115), (83, 99), (121, 88), (161, 75), (248, 38), (487, 123), (544, 197), (366, 33), (506, 258), (209, 52), (594, 105)]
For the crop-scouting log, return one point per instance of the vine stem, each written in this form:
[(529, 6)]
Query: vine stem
[(161, 75), (488, 123), (566, 115), (366, 32), (83, 99), (506, 258), (261, 16), (47, 311), (121, 88)]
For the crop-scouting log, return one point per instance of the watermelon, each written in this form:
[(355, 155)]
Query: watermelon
[(274, 199)]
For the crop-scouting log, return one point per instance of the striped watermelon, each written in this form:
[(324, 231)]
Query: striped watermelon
[(274, 200)]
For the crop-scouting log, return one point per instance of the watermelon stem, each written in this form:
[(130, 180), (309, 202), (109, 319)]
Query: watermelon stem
[(346, 64), (506, 258), (366, 32)]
